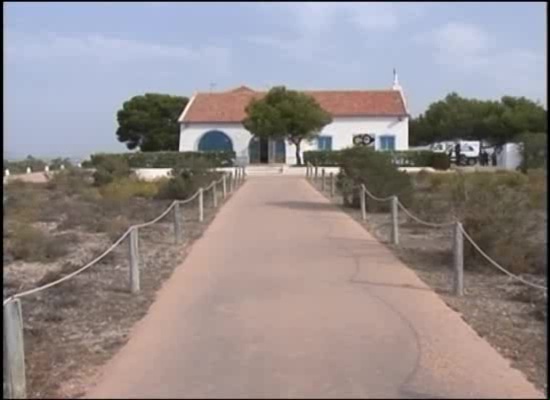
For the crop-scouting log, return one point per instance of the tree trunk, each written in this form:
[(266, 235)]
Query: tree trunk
[(298, 158)]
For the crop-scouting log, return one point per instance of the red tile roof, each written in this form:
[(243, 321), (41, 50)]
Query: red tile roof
[(230, 106)]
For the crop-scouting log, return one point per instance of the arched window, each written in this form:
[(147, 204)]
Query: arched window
[(215, 141)]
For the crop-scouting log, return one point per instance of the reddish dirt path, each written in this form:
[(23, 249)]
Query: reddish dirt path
[(286, 296)]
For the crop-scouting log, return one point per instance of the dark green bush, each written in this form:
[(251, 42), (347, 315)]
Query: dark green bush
[(422, 158), (534, 151), (110, 168), (322, 158), (327, 158), (412, 158), (167, 159), (377, 172), (186, 181), (440, 161)]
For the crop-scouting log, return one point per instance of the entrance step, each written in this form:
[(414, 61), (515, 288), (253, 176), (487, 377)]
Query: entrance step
[(258, 170)]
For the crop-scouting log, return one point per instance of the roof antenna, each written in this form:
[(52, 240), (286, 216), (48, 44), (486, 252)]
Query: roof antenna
[(395, 79)]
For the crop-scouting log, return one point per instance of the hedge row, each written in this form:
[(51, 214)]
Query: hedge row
[(400, 158), (36, 165), (422, 158), (378, 172), (166, 159)]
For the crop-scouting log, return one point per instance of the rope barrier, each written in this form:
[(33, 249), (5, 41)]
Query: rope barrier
[(145, 224), (496, 265), (420, 221), (373, 196), (111, 248), (66, 277), (468, 237)]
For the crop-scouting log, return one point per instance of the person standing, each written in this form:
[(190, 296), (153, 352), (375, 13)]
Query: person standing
[(457, 153)]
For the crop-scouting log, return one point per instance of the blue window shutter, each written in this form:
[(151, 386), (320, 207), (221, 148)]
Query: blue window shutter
[(324, 142), (387, 142)]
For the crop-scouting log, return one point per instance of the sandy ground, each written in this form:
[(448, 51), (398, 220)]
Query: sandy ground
[(508, 314)]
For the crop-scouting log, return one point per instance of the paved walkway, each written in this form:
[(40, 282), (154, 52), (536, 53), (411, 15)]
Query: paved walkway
[(286, 296)]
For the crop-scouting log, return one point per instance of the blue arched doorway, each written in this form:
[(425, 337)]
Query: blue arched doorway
[(215, 141)]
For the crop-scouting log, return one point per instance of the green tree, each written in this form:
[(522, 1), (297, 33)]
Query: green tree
[(534, 151), (150, 122), (497, 122), (286, 114)]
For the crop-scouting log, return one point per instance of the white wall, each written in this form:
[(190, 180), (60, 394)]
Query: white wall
[(191, 134), (510, 156), (342, 131)]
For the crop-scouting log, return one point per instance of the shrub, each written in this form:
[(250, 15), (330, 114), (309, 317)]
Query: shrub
[(537, 188), (113, 227), (377, 171), (168, 159), (24, 202), (496, 211), (422, 158), (533, 151), (70, 181), (186, 181), (440, 161), (409, 158), (31, 244), (110, 168), (126, 188), (322, 158)]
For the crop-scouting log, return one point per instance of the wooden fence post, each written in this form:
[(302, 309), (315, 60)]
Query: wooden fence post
[(323, 183), (177, 222), (458, 258), (332, 185), (362, 199), (201, 205), (215, 194), (316, 174), (15, 386), (394, 220), (134, 260), (224, 186)]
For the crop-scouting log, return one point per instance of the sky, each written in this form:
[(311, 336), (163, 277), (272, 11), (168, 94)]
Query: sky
[(68, 67)]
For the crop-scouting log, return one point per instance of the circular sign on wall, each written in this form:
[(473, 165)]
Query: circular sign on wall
[(363, 139), (358, 140)]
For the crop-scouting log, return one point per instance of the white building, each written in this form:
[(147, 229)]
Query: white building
[(213, 121)]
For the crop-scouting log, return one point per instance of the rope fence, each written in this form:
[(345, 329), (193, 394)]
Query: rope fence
[(458, 230), (14, 357)]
